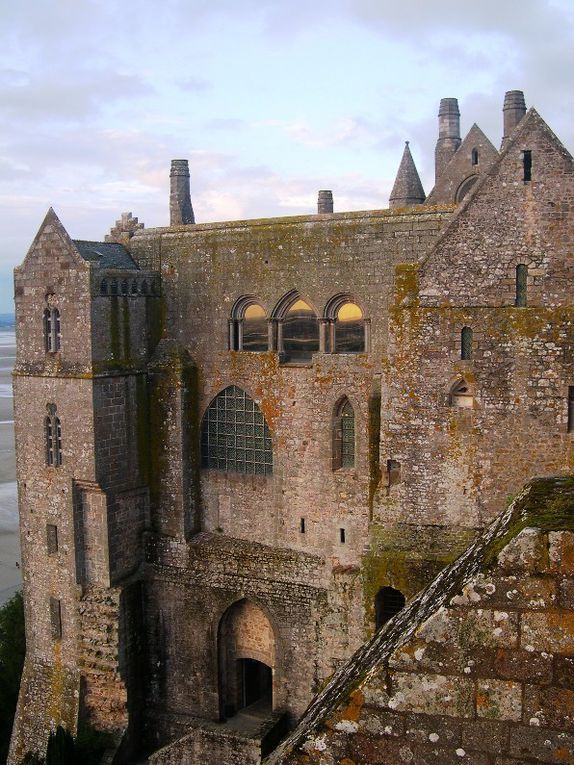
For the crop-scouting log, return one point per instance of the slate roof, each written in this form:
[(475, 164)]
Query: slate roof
[(106, 254), (408, 189)]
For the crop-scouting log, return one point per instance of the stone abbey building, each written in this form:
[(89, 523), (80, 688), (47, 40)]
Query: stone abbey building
[(244, 448)]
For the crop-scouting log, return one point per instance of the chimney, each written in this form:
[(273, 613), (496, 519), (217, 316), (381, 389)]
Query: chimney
[(513, 110), (325, 202), (180, 209), (448, 134)]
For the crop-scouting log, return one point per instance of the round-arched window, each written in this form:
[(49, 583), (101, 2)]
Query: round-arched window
[(349, 329)]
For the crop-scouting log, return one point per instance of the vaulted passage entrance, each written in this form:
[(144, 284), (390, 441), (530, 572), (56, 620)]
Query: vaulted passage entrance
[(246, 660)]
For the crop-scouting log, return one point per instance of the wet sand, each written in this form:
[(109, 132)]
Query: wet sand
[(10, 574)]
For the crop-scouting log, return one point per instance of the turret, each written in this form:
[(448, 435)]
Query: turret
[(408, 189), (448, 134), (180, 209), (513, 110)]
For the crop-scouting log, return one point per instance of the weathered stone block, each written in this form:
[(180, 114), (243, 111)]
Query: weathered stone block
[(499, 699), (483, 735), (561, 551), (432, 694), (551, 631), (526, 552), (551, 707)]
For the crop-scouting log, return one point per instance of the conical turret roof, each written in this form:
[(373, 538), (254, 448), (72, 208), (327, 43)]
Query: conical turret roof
[(408, 189)]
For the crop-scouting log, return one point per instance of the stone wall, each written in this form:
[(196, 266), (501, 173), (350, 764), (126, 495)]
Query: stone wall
[(477, 669)]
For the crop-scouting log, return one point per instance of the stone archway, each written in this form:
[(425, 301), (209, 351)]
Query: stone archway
[(246, 650)]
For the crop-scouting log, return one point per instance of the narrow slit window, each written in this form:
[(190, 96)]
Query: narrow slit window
[(52, 330), (53, 436), (55, 618), (302, 526), (521, 285), (570, 408), (475, 156), (527, 164), (52, 538), (342, 536), (466, 344)]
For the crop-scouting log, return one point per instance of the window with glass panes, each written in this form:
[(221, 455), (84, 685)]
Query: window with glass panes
[(347, 436), (234, 435)]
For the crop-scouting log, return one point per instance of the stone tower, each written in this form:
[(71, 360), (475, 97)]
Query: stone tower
[(448, 134), (180, 207)]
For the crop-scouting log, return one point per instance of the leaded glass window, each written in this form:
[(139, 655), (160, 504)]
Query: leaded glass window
[(344, 436), (347, 436), (234, 435), (466, 343)]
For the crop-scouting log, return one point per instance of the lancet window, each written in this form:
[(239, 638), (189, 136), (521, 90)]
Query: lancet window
[(53, 436), (52, 330), (235, 436), (344, 436), (248, 327), (344, 325)]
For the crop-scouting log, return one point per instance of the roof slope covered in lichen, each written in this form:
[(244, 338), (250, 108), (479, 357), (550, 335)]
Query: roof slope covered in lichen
[(544, 503)]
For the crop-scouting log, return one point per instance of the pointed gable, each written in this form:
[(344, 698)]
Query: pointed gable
[(475, 156), (52, 243), (509, 220), (408, 189)]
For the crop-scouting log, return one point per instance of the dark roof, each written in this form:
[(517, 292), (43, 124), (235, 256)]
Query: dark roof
[(107, 254)]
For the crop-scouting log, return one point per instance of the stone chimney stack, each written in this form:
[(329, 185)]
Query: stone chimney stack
[(448, 134), (513, 110), (325, 202), (180, 209)]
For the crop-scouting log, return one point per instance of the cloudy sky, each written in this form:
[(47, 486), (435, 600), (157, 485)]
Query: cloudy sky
[(270, 100)]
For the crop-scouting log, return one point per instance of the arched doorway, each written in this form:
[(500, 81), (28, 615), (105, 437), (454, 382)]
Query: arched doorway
[(388, 602), (246, 660)]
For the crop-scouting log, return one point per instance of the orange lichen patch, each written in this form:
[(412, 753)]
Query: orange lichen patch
[(346, 761), (352, 711), (482, 700), (563, 755)]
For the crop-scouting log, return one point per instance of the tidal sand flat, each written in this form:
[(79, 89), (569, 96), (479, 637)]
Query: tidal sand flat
[(10, 573)]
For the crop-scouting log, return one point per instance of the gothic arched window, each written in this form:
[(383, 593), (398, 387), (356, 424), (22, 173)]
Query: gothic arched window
[(53, 436), (234, 435), (300, 332), (248, 326), (349, 329), (344, 436), (104, 287), (52, 331), (461, 395)]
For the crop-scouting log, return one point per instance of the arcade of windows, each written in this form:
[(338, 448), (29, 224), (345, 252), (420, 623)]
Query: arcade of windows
[(295, 331)]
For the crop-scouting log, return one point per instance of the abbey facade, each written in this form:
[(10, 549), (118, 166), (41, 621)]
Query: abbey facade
[(243, 447)]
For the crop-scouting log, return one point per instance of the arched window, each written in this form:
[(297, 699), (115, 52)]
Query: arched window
[(461, 396), (349, 329), (466, 344), (104, 287), (234, 435), (53, 435), (521, 285), (114, 287), (388, 602), (125, 287), (465, 187), (134, 288), (300, 332), (474, 157), (254, 334), (344, 436), (144, 289), (52, 330), (248, 326)]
